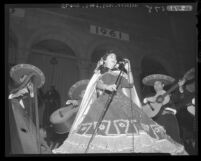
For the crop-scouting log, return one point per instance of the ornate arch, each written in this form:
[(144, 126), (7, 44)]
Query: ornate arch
[(69, 38)]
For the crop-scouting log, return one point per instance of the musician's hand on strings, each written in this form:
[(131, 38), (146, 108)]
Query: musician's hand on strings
[(112, 87), (145, 101), (181, 83), (68, 102), (149, 99)]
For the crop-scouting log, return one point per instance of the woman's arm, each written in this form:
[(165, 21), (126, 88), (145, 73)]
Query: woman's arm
[(128, 83), (125, 83), (102, 86), (130, 77)]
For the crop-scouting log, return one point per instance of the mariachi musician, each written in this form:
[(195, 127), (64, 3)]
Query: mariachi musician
[(163, 113), (187, 115), (63, 118), (23, 111), (187, 97)]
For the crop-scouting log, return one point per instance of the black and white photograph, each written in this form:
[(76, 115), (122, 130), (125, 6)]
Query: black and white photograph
[(101, 78)]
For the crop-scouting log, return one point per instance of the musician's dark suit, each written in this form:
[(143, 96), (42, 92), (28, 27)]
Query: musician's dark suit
[(187, 121), (167, 118)]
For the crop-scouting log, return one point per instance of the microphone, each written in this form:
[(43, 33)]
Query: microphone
[(121, 64), (123, 60)]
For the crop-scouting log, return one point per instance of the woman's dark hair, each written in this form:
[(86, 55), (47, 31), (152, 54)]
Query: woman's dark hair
[(102, 68), (108, 52)]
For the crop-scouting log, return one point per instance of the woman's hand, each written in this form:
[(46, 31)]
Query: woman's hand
[(145, 101), (53, 146), (127, 65), (111, 88)]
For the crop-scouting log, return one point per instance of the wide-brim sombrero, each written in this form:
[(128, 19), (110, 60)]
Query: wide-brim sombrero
[(149, 80), (76, 89), (18, 71)]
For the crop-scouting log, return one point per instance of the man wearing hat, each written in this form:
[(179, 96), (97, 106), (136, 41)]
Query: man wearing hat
[(63, 118), (76, 92), (186, 115), (187, 97), (22, 111), (27, 77), (166, 115)]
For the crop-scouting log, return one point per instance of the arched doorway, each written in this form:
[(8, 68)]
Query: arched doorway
[(150, 66), (58, 63)]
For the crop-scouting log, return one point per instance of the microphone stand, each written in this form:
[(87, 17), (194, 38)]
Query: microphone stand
[(37, 119), (110, 98)]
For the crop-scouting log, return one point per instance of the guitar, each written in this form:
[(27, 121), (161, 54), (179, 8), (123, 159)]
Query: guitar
[(154, 108), (63, 118)]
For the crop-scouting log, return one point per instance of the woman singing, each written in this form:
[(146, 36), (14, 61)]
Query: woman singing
[(125, 128)]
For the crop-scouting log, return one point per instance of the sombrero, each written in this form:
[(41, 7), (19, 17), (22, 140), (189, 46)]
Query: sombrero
[(19, 70), (149, 80), (76, 89)]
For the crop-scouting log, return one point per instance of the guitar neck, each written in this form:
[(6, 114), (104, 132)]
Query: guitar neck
[(171, 89), (186, 77)]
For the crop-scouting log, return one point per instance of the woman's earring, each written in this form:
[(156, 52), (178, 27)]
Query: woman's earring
[(102, 61)]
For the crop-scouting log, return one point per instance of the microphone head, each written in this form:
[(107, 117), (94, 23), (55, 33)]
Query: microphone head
[(123, 60)]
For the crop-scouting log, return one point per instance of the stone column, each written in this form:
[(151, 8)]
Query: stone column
[(84, 66)]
